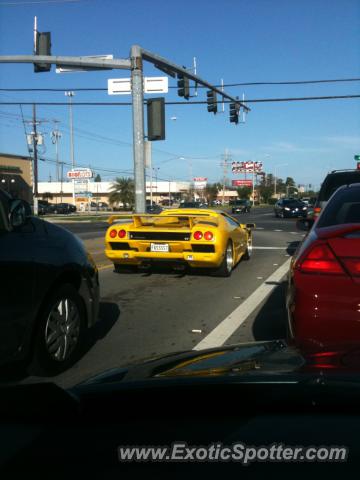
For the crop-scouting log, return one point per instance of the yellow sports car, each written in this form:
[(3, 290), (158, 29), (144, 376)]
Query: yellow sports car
[(194, 237)]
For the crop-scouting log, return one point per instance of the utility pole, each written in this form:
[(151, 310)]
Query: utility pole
[(138, 127), (70, 95), (225, 165), (36, 174), (55, 137)]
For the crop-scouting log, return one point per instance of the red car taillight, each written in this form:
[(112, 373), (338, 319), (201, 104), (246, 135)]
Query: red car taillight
[(122, 233), (208, 235), (113, 233), (320, 259), (317, 211), (198, 235)]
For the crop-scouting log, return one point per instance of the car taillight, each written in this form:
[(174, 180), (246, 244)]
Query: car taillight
[(208, 235), (321, 259), (352, 265), (122, 233), (198, 235), (317, 211), (113, 233)]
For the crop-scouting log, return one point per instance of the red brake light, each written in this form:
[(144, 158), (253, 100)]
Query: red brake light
[(198, 235), (321, 260), (122, 233), (208, 235), (113, 233)]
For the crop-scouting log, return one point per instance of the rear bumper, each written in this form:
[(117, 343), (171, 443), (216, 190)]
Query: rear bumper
[(193, 259), (323, 309)]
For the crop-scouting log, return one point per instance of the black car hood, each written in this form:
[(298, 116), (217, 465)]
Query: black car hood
[(248, 359)]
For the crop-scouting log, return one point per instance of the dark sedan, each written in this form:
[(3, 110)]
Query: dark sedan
[(49, 290), (154, 208), (62, 208), (288, 207)]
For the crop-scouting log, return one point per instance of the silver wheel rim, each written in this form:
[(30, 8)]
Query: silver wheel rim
[(62, 329), (249, 248), (229, 258)]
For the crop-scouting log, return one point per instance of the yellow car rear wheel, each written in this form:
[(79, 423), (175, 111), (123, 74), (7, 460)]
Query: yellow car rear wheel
[(227, 264)]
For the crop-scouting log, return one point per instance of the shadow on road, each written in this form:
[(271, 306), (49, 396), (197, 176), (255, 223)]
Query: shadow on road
[(270, 322), (108, 316)]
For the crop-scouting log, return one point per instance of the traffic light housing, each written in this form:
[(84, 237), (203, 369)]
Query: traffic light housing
[(234, 112), (156, 118), (211, 101), (42, 47), (183, 85)]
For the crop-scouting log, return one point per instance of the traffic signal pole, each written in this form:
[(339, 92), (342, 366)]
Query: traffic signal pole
[(138, 128), (135, 64)]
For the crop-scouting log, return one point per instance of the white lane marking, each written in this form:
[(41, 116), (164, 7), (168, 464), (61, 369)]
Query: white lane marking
[(269, 248), (230, 324), (259, 278), (259, 228), (278, 230)]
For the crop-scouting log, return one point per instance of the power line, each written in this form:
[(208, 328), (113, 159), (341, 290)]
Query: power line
[(199, 102), (237, 84)]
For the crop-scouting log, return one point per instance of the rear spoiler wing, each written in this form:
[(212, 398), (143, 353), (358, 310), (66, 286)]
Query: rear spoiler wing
[(137, 218)]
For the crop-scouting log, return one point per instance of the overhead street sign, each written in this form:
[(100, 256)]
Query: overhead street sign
[(122, 86)]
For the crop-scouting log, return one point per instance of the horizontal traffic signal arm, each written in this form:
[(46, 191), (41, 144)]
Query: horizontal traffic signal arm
[(166, 66)]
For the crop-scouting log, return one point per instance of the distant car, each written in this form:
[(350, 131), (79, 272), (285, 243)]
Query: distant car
[(197, 238), (189, 205), (154, 208), (44, 207), (289, 207), (51, 292), (332, 182), (63, 208), (240, 206), (324, 280)]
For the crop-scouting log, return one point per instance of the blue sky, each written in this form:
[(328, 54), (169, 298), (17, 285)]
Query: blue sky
[(237, 40)]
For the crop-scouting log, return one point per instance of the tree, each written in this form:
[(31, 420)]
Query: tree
[(210, 192), (244, 192), (123, 191), (97, 178), (266, 192), (290, 182)]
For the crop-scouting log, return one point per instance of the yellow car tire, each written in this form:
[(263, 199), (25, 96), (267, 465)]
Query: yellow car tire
[(227, 264)]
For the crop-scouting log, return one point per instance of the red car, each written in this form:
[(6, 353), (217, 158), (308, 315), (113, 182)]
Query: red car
[(323, 296)]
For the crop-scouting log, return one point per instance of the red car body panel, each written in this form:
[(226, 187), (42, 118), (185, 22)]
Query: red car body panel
[(324, 307)]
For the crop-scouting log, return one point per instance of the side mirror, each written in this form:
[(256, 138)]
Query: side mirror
[(305, 224), (20, 211)]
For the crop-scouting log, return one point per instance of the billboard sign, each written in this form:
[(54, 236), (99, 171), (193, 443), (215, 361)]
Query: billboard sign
[(200, 183), (246, 167), (79, 173), (242, 183)]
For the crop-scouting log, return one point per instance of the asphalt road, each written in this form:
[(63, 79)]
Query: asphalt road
[(153, 313)]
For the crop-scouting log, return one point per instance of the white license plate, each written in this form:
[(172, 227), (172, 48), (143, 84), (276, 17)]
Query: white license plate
[(159, 247)]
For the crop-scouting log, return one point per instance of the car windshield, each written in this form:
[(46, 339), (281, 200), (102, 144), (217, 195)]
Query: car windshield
[(293, 203), (153, 160), (343, 208)]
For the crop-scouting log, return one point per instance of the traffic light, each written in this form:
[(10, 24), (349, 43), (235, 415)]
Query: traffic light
[(211, 101), (183, 85), (156, 118), (42, 47), (234, 112)]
